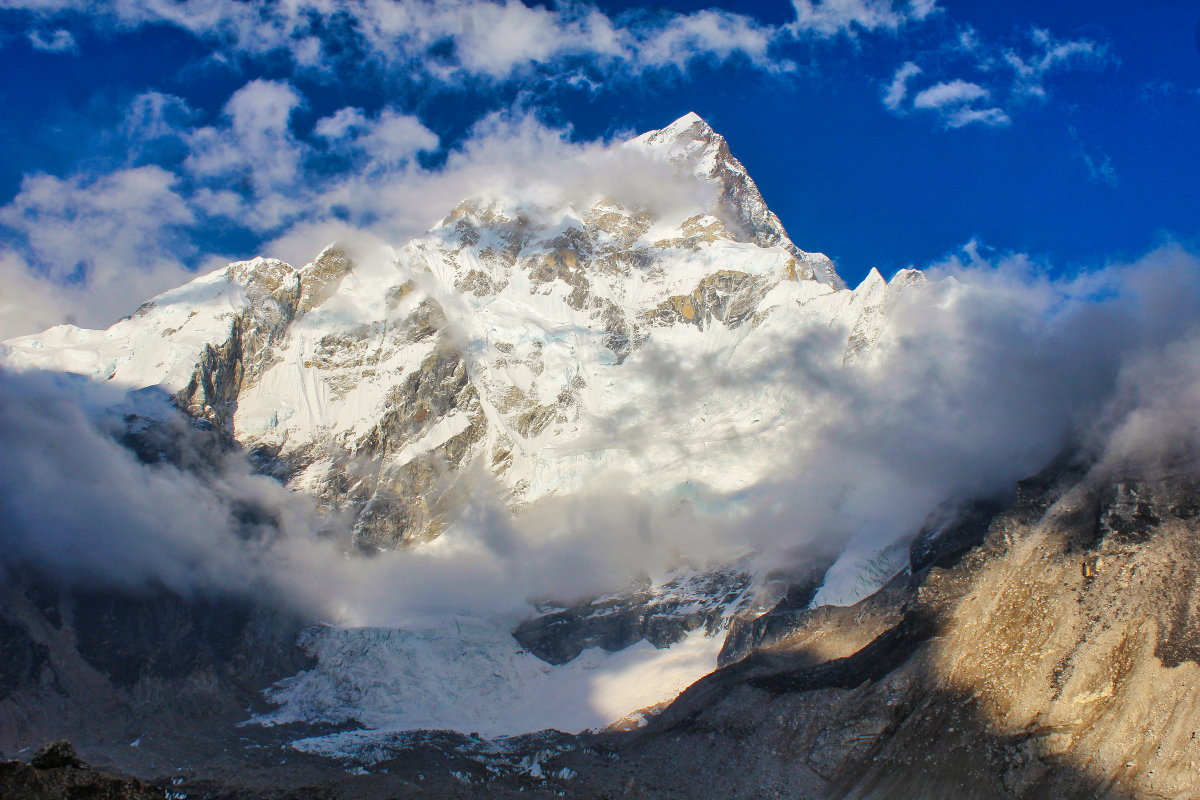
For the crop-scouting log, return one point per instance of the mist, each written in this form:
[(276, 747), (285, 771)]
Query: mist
[(978, 380)]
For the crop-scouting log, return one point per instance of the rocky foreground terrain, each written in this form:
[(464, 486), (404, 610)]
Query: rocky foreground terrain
[(1042, 646)]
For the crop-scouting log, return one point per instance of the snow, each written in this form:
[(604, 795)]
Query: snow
[(469, 675)]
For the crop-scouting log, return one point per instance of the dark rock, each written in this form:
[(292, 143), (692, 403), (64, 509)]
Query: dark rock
[(70, 782), (161, 635), (22, 659), (55, 755), (946, 536), (662, 616)]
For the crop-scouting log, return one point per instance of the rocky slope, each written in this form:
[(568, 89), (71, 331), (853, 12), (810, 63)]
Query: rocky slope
[(1043, 646), (1045, 650)]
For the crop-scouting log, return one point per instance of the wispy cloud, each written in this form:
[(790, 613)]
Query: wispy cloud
[(1048, 55), (832, 17), (950, 94), (1004, 78), (59, 41), (898, 89), (1099, 166), (989, 117)]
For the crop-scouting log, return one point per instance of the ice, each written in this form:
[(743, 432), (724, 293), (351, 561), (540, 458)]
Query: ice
[(469, 675), (858, 574)]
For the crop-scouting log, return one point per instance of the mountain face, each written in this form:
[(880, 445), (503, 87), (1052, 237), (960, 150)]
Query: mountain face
[(509, 342), (523, 351)]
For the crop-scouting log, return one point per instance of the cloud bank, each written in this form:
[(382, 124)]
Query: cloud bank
[(976, 382)]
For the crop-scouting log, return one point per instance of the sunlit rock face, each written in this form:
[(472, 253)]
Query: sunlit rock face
[(516, 341), (1042, 648)]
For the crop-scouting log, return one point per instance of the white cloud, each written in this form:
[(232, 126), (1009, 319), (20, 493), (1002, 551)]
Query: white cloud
[(953, 100), (711, 34), (989, 117), (1009, 76), (388, 141), (1049, 54), (832, 17), (898, 89), (496, 40), (83, 228), (153, 115), (955, 92), (59, 41), (86, 248), (254, 152)]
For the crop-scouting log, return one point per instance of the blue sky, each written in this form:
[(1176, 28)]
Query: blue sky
[(148, 139)]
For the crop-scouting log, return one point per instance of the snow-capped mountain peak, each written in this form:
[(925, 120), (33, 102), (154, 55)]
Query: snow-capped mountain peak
[(692, 144), (518, 341)]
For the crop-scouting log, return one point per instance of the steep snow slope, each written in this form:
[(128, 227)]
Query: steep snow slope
[(541, 345)]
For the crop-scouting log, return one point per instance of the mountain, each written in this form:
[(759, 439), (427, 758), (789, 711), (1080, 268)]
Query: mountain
[(504, 342), (529, 352), (596, 371)]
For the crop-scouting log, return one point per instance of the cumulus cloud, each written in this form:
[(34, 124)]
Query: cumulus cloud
[(388, 140), (77, 226), (978, 380), (831, 17), (256, 148), (95, 242)]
